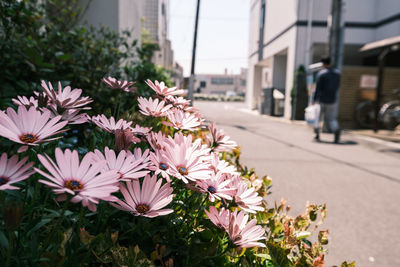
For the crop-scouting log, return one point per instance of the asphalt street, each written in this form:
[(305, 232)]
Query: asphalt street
[(358, 179)]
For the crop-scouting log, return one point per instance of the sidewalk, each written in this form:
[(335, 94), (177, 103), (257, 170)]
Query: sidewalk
[(385, 135)]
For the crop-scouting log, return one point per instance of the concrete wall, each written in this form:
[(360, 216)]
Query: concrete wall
[(117, 15), (130, 16), (102, 13)]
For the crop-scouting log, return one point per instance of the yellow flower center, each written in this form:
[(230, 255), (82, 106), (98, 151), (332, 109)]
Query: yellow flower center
[(142, 208), (182, 170), (28, 138), (74, 185)]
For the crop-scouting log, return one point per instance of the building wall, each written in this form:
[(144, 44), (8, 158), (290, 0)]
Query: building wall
[(102, 13), (130, 17), (286, 35), (117, 15), (221, 83)]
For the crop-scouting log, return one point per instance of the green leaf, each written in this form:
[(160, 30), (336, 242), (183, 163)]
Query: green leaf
[(63, 57), (39, 225), (264, 256), (303, 234), (3, 240)]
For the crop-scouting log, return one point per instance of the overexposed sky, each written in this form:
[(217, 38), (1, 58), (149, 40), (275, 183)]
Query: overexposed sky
[(222, 37)]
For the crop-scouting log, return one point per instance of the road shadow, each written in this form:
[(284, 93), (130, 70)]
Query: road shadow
[(390, 150), (343, 143)]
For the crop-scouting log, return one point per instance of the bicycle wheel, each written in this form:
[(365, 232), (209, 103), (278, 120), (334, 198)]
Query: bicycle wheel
[(365, 114), (390, 115)]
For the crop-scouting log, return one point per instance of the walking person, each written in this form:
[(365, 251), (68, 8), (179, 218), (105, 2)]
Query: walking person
[(326, 94)]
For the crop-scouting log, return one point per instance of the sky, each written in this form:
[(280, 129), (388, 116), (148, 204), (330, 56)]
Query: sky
[(222, 37)]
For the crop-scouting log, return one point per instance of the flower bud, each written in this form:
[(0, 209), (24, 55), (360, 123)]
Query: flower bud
[(12, 214)]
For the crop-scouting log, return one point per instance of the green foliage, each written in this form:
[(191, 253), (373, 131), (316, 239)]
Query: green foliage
[(42, 40)]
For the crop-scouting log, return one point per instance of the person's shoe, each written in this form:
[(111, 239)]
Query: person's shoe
[(337, 137), (316, 138)]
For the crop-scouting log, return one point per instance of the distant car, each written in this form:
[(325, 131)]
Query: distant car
[(230, 93)]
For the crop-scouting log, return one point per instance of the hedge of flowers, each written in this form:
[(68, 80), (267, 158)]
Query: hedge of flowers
[(148, 187)]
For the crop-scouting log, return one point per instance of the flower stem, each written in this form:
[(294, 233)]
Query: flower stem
[(10, 247)]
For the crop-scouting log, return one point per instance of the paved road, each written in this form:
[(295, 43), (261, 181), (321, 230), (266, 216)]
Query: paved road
[(359, 180)]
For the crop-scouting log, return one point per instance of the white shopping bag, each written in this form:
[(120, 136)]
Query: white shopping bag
[(311, 115)]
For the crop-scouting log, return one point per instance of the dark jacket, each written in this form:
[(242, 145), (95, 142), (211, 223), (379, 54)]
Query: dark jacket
[(328, 81)]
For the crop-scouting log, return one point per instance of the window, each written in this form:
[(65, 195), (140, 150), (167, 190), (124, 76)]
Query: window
[(243, 82), (203, 84), (221, 80)]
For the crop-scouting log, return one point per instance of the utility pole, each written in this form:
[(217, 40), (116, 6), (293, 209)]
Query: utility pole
[(192, 75), (336, 30)]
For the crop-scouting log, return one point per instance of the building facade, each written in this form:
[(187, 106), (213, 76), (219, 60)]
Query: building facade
[(137, 16), (221, 84), (117, 15), (155, 23), (279, 41)]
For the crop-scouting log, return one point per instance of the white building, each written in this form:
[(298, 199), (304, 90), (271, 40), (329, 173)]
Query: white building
[(221, 84), (278, 38), (136, 16), (118, 15), (155, 22)]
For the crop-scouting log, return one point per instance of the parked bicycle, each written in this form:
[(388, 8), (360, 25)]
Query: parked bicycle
[(388, 116)]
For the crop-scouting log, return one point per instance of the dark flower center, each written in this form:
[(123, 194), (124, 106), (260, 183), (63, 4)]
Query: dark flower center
[(74, 185), (28, 138), (4, 180), (182, 170), (237, 238), (212, 189), (163, 166), (142, 208)]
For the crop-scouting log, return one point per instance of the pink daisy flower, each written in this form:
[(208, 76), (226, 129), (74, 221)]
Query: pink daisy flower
[(72, 116), (216, 187), (29, 127), (182, 120), (24, 101), (128, 165), (246, 198), (157, 141), (219, 141), (160, 165), (219, 218), (84, 180), (186, 160), (110, 125), (140, 131), (222, 166), (66, 98), (154, 108), (245, 234), (181, 103), (163, 90), (147, 201), (116, 84), (12, 171)]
